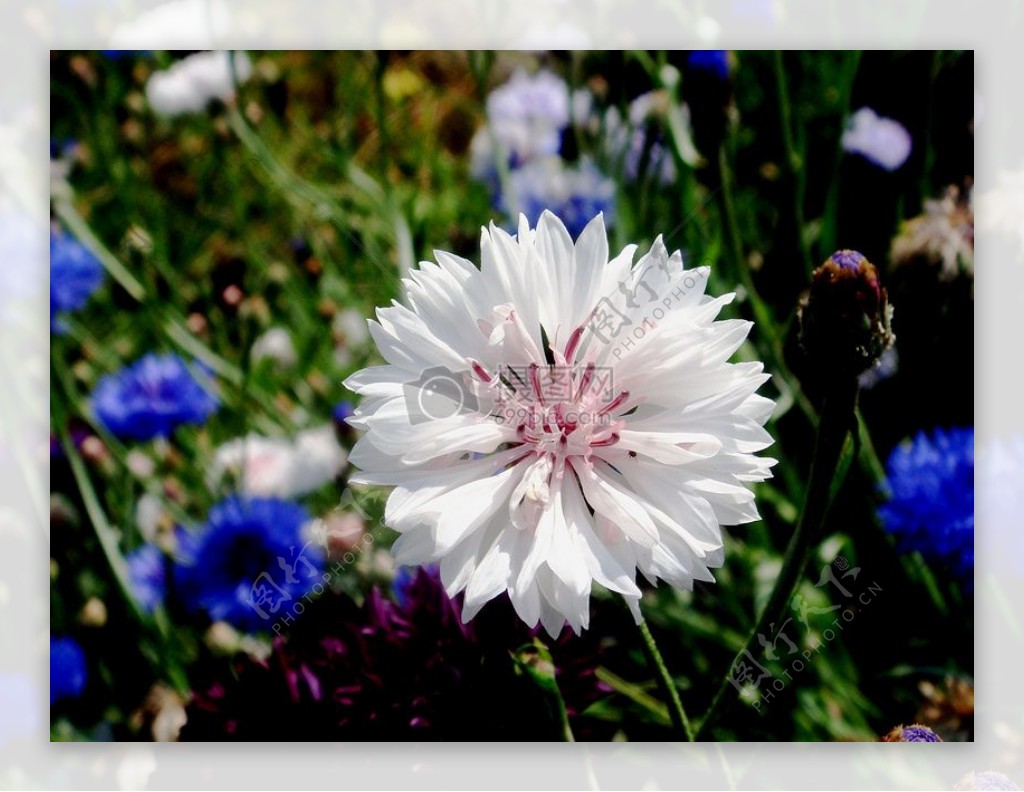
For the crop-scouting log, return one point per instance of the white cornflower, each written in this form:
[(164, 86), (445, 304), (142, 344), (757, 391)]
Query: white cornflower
[(555, 418), (193, 82), (880, 140), (275, 344), (279, 467), (351, 337), (943, 235)]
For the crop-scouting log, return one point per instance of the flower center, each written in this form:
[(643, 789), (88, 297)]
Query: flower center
[(565, 410)]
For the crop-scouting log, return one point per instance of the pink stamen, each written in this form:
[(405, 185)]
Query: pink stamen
[(480, 372), (615, 403), (573, 345), (534, 375), (588, 375)]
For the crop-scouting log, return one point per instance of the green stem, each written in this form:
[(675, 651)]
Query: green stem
[(63, 206), (794, 162), (830, 220), (305, 195), (534, 660), (679, 719), (741, 272), (107, 536), (382, 121), (635, 694), (836, 421)]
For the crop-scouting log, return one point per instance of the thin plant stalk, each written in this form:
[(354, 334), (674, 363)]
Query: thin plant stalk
[(676, 711), (836, 422), (794, 161)]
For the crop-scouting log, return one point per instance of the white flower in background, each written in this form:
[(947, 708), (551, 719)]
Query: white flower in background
[(555, 418), (276, 345), (350, 326), (279, 467), (1001, 209), (525, 117), (149, 514), (883, 141), (942, 235), (181, 24), (584, 114), (193, 82), (348, 329)]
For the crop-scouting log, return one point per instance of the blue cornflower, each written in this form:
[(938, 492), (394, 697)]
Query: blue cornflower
[(575, 194), (714, 62), (147, 575), (75, 273), (151, 397), (67, 669), (932, 505), (340, 414), (342, 411), (250, 564)]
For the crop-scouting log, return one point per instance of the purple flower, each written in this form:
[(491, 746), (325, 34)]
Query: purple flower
[(915, 733), (399, 671), (848, 259), (152, 397)]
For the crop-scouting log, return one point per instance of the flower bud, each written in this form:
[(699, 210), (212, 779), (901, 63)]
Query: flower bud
[(94, 613), (915, 733), (222, 638), (845, 316)]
